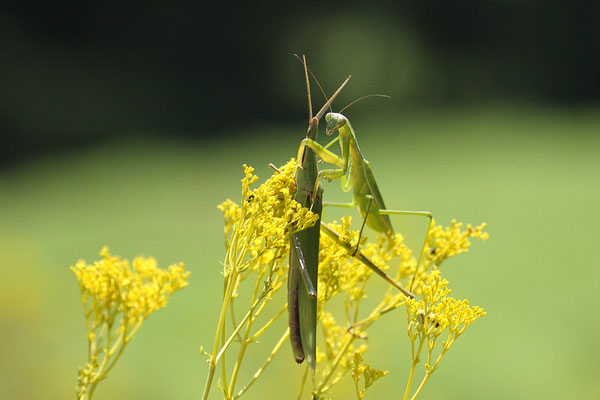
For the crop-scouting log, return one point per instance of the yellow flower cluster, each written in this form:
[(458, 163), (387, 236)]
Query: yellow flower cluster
[(444, 243), (135, 290), (117, 297), (267, 216), (369, 375), (429, 318), (337, 272)]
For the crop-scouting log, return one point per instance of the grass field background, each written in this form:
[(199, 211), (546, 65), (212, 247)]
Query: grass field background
[(531, 173)]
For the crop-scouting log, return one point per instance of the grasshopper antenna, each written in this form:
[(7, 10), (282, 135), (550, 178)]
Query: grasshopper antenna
[(310, 114), (320, 87), (328, 103), (315, 79), (303, 61), (365, 97)]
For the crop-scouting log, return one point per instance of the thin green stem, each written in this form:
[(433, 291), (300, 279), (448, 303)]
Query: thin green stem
[(336, 362), (431, 369), (425, 378), (256, 298), (415, 360), (375, 315), (302, 383), (265, 365), (238, 362), (268, 324), (220, 328), (207, 385), (224, 363)]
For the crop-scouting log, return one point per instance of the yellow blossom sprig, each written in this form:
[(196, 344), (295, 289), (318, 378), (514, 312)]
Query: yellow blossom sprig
[(257, 244), (430, 318), (364, 371), (445, 242), (118, 296)]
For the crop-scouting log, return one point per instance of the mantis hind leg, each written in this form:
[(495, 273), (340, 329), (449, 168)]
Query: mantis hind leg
[(426, 214), (363, 225), (356, 253)]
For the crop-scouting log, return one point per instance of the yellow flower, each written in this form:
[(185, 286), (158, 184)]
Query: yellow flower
[(365, 371), (135, 290), (444, 243), (117, 297), (265, 219), (437, 313)]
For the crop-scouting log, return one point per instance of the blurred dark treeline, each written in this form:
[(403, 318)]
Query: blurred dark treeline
[(74, 73)]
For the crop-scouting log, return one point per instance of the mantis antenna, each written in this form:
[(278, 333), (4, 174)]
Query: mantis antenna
[(364, 97)]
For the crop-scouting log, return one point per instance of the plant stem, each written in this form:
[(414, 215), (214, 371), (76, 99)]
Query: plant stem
[(220, 328), (425, 378), (256, 299), (302, 383), (415, 361), (336, 362), (265, 365), (268, 324)]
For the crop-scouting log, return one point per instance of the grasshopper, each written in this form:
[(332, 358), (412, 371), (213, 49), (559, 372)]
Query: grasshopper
[(304, 246)]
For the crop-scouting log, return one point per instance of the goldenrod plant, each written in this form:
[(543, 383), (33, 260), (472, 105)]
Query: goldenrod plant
[(118, 296), (257, 235)]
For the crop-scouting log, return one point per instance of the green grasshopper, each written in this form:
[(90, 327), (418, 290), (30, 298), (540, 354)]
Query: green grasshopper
[(355, 172), (304, 246)]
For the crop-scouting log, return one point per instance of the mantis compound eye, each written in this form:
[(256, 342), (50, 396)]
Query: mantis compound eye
[(334, 122)]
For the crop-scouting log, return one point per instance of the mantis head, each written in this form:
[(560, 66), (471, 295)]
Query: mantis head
[(334, 122)]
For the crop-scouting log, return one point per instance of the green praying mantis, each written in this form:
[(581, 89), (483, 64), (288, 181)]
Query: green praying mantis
[(356, 174)]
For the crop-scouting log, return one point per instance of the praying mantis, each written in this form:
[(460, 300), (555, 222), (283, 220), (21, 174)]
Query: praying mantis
[(356, 174)]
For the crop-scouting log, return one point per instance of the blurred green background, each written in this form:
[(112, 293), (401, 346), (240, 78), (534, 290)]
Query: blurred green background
[(126, 126)]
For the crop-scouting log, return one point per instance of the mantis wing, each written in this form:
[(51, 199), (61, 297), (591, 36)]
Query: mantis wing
[(378, 222)]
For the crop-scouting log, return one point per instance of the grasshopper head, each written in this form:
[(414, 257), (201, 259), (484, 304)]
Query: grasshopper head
[(334, 122)]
